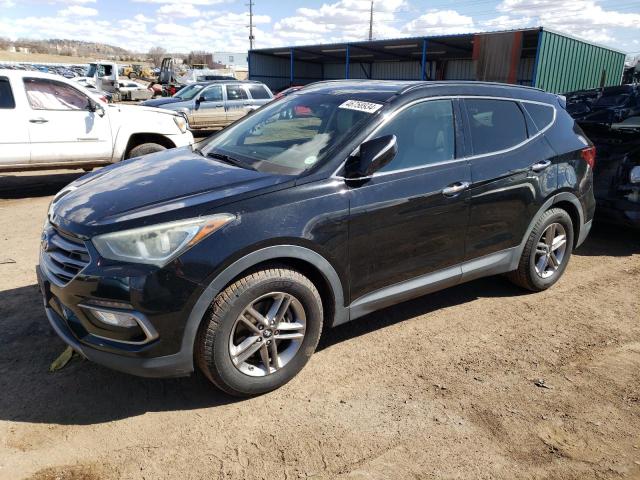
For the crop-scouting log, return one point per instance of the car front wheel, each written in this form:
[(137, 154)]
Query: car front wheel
[(260, 331)]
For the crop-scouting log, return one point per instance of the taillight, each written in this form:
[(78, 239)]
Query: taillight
[(589, 155), (104, 99)]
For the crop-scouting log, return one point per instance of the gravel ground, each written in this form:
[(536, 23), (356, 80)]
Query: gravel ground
[(440, 387)]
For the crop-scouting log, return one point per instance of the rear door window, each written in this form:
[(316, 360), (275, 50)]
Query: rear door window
[(258, 92), (495, 125), (6, 95), (542, 115), (236, 92)]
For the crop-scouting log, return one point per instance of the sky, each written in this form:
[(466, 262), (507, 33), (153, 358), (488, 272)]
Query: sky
[(221, 25)]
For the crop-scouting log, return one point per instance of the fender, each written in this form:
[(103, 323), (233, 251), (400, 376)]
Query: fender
[(583, 229), (246, 262), (144, 120)]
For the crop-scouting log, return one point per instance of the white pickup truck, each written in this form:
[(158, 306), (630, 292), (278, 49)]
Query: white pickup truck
[(49, 122)]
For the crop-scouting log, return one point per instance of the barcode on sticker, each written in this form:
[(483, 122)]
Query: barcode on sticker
[(367, 107)]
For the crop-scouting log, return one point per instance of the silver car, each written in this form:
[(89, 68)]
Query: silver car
[(215, 104)]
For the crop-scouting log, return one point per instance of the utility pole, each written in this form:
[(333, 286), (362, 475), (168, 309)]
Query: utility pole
[(371, 22), (251, 36)]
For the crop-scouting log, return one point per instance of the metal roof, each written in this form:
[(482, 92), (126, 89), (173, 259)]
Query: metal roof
[(404, 48)]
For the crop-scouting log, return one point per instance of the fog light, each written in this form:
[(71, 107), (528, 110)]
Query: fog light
[(634, 177), (116, 319)]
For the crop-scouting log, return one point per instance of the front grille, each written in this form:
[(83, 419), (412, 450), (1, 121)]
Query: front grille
[(63, 256)]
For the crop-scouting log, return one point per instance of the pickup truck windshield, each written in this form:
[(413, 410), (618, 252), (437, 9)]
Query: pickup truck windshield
[(294, 134)]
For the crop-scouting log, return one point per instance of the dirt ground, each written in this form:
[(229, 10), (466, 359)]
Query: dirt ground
[(442, 387)]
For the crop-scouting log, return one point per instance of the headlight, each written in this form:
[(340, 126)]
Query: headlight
[(181, 122), (634, 177), (158, 244)]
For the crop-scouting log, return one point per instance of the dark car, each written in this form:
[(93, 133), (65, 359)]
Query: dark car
[(234, 254), (610, 117)]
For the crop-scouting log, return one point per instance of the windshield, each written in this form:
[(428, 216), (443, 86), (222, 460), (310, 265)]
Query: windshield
[(187, 93), (92, 70), (293, 134)]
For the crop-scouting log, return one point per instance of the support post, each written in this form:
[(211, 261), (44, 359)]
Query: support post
[(346, 67), (424, 59), (291, 66)]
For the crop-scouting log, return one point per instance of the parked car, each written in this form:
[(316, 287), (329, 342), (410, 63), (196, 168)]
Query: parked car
[(51, 122), (286, 92), (235, 253), (215, 104), (611, 119)]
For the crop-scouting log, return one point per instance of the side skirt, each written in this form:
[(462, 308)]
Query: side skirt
[(493, 264)]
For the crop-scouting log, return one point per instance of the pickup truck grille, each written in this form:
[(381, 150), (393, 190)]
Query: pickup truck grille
[(62, 255)]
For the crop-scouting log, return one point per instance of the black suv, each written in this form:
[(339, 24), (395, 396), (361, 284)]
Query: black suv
[(335, 201)]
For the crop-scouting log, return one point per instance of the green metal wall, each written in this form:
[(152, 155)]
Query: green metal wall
[(565, 64)]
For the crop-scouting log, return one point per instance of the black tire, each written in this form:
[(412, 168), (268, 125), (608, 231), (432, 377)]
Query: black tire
[(145, 149), (133, 75), (212, 349), (526, 275)]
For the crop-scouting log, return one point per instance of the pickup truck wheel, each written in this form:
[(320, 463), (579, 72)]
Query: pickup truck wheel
[(260, 331), (145, 149)]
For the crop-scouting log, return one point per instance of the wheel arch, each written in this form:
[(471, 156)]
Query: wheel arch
[(137, 139), (568, 202), (307, 261)]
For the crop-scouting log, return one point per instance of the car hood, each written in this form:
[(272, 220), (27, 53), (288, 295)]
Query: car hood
[(165, 186), (157, 102)]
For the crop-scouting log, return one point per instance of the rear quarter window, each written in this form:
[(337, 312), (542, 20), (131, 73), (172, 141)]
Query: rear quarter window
[(495, 125), (6, 95), (542, 115), (258, 92)]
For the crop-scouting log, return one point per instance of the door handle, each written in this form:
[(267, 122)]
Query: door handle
[(39, 120), (540, 166), (455, 189)]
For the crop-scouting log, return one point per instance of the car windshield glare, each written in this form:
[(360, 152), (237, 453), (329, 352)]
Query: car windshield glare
[(187, 93), (293, 134)]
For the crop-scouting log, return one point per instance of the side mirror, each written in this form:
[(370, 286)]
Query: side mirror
[(198, 101), (374, 154), (96, 108)]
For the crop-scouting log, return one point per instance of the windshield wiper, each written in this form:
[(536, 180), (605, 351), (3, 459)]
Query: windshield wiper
[(230, 160)]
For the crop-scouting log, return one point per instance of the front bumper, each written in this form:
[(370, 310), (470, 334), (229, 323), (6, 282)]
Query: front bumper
[(140, 360), (182, 139)]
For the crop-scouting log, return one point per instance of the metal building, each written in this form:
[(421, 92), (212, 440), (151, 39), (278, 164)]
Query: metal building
[(537, 57)]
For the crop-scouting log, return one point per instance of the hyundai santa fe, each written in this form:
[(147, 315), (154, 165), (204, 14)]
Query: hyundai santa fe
[(338, 200)]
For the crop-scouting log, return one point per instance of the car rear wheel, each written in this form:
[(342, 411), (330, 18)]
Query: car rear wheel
[(260, 331), (145, 149), (546, 253)]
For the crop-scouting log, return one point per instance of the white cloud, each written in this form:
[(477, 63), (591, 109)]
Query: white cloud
[(78, 11), (179, 10), (143, 19), (184, 2), (582, 18), (7, 4), (343, 20), (440, 22)]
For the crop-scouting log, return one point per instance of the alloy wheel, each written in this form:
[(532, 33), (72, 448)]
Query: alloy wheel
[(550, 250), (267, 334)]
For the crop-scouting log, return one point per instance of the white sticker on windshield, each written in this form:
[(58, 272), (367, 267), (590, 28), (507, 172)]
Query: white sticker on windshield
[(367, 107)]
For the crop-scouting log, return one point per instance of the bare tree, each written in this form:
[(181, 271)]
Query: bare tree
[(156, 54), (5, 43), (200, 57)]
